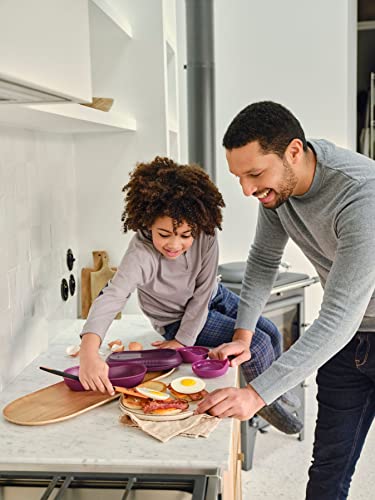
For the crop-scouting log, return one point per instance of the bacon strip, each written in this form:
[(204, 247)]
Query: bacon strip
[(168, 403)]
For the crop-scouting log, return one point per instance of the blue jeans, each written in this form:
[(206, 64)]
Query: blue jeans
[(346, 409), (219, 329)]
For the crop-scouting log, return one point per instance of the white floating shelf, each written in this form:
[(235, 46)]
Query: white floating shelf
[(116, 17), (64, 118), (366, 25), (171, 47), (172, 126)]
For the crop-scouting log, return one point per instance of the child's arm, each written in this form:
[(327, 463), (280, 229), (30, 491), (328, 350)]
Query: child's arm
[(134, 269), (93, 371), (167, 344), (196, 310)]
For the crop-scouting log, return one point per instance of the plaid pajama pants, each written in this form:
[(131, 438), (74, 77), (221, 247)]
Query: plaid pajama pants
[(219, 329)]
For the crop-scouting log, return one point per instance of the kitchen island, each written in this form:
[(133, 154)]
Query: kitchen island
[(95, 445)]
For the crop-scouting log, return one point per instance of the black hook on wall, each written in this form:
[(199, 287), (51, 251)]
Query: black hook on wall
[(70, 259), (64, 289)]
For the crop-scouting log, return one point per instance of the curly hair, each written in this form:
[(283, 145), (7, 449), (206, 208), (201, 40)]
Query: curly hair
[(164, 188), (267, 122)]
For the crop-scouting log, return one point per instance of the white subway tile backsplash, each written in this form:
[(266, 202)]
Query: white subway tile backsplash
[(9, 213), (23, 245), (40, 240), (4, 292), (36, 241), (24, 348), (40, 309), (37, 226), (5, 339)]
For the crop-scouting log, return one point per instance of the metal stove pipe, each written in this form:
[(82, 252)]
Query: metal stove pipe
[(200, 69)]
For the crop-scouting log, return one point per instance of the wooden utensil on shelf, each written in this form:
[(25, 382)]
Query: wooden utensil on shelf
[(100, 278), (100, 103)]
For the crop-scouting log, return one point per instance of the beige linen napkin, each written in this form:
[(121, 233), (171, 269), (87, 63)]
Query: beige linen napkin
[(194, 426)]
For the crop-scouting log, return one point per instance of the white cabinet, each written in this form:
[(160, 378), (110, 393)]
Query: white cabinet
[(44, 44), (103, 22), (121, 49), (170, 78)]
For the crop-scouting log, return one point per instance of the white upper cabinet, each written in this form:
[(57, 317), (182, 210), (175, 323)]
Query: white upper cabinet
[(44, 45)]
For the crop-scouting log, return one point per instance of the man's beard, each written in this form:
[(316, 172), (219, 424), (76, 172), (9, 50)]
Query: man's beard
[(287, 186)]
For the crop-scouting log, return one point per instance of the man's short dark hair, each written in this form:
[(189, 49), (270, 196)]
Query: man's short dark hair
[(267, 122)]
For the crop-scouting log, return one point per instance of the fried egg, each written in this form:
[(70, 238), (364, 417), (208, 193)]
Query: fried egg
[(188, 385), (151, 393)]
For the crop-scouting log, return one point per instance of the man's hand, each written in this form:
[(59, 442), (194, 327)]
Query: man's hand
[(239, 347), (231, 402), (167, 344), (236, 348)]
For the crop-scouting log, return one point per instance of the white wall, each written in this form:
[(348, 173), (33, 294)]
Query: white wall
[(37, 226), (296, 52)]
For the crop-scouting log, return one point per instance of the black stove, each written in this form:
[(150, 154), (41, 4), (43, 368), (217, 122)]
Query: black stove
[(232, 274)]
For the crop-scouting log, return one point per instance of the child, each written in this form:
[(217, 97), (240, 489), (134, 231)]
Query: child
[(172, 262)]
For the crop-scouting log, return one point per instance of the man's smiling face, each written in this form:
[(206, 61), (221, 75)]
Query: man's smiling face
[(264, 175)]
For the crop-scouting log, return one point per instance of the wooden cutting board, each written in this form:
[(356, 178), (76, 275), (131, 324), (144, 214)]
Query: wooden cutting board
[(100, 278), (86, 280), (57, 402)]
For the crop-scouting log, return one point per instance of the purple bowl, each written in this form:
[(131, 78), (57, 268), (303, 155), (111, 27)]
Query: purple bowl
[(210, 368), (193, 353), (122, 375)]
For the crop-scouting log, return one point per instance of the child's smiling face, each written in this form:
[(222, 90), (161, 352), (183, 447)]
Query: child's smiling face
[(169, 242)]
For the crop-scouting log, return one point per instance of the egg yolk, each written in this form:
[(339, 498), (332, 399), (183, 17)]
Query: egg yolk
[(188, 382), (155, 393)]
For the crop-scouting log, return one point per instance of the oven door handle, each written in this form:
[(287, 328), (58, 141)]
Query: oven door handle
[(279, 304), (294, 285)]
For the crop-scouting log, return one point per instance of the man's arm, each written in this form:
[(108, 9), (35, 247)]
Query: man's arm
[(348, 290), (262, 268), (347, 293)]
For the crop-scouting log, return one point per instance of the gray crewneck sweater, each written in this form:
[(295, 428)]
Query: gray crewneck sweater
[(168, 290), (334, 225)]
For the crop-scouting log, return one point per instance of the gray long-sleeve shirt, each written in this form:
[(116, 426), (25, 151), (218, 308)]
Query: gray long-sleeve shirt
[(168, 290), (334, 225)]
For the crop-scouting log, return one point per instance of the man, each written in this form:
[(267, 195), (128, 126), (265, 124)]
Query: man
[(323, 197)]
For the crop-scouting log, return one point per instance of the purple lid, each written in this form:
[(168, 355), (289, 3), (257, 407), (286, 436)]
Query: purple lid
[(190, 354), (210, 368), (153, 359)]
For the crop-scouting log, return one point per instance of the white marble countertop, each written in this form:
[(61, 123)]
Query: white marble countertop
[(96, 441)]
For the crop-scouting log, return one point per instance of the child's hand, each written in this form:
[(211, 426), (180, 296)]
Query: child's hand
[(167, 344), (93, 373)]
